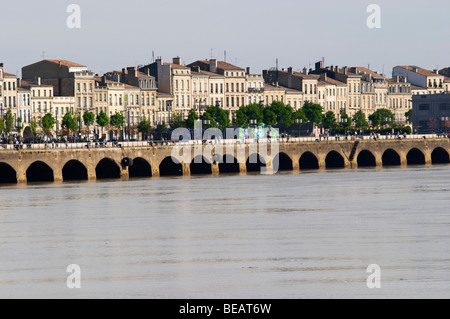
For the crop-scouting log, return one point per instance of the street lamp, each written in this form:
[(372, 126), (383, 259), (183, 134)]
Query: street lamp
[(253, 122), (299, 122), (444, 123)]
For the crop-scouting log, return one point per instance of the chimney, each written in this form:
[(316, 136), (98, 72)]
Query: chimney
[(19, 83), (148, 71), (248, 70), (177, 60), (196, 68), (319, 65), (305, 70), (345, 70), (38, 81), (290, 70), (103, 79), (213, 65), (1, 65), (397, 78), (436, 71)]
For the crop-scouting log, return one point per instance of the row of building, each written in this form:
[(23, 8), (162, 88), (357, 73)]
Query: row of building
[(158, 90)]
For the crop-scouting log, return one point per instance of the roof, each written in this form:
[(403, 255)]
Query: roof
[(331, 81), (272, 87), (176, 66), (9, 75), (360, 69), (394, 81), (420, 71), (160, 93), (415, 87), (66, 63), (223, 65), (143, 75)]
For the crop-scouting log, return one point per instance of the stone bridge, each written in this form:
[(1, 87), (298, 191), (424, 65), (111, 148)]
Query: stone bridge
[(58, 165)]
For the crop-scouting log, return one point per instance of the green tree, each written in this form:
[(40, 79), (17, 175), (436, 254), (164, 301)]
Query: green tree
[(207, 117), (47, 123), (69, 122), (220, 116), (161, 128), (300, 114), (9, 122), (382, 117), (88, 119), (102, 120), (192, 117), (360, 119), (313, 112), (346, 121), (408, 116), (329, 121), (176, 121), (284, 114), (241, 119), (2, 125), (19, 126), (270, 118), (144, 127), (117, 121), (34, 125)]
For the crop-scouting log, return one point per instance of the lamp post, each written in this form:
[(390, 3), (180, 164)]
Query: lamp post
[(444, 123), (299, 122)]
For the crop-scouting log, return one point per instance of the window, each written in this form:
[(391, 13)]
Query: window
[(212, 89), (90, 87), (242, 87), (84, 87), (424, 107)]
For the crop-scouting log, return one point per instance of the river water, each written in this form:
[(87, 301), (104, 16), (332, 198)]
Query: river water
[(292, 235)]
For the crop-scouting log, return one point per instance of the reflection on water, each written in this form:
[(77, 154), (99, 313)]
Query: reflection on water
[(291, 235)]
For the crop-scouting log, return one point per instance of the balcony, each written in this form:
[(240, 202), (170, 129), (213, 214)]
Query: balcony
[(255, 91)]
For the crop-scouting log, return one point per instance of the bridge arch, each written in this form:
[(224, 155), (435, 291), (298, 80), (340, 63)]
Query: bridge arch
[(229, 165), (308, 161), (255, 162), (391, 158), (8, 175), (284, 162), (39, 172), (107, 168), (334, 160), (140, 168), (415, 157), (440, 156), (366, 159), (199, 166), (169, 168), (74, 170)]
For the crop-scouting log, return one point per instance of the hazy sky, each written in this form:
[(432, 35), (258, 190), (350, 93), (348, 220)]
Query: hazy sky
[(117, 33)]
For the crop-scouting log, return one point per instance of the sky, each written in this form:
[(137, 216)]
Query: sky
[(254, 33)]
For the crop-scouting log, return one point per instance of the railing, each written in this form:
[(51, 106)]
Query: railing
[(292, 140)]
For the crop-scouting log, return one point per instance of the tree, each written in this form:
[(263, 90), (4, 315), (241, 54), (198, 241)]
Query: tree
[(88, 119), (19, 126), (300, 114), (117, 121), (102, 120), (284, 114), (9, 122), (207, 117), (382, 117), (241, 118), (220, 116), (144, 127), (270, 118), (408, 116), (69, 122), (34, 125), (329, 121), (313, 112), (346, 121), (2, 125), (47, 123), (176, 121), (192, 117), (360, 119)]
